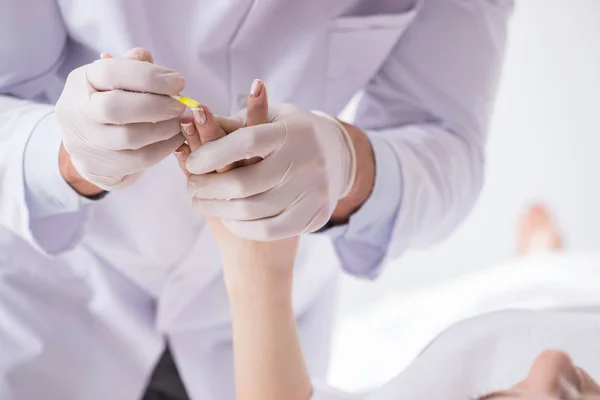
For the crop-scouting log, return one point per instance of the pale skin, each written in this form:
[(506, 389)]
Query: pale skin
[(361, 190), (268, 360)]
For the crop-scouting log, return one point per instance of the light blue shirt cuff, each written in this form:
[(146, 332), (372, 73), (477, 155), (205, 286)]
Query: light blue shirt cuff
[(362, 243), (47, 192)]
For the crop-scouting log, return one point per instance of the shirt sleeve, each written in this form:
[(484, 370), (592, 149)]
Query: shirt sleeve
[(361, 244), (47, 193), (430, 105), (35, 203)]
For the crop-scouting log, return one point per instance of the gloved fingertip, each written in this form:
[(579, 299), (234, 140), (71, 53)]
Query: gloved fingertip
[(139, 54), (192, 165), (175, 82), (189, 163)]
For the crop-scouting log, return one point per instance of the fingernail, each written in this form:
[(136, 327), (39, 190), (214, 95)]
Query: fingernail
[(199, 116), (188, 128), (256, 88), (180, 152)]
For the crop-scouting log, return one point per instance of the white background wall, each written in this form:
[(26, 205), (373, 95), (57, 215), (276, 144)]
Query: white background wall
[(544, 145)]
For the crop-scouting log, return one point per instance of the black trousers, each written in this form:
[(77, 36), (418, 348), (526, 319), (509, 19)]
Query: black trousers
[(165, 382)]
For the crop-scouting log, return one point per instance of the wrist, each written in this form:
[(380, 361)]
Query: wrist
[(248, 285), (364, 179), (72, 177)]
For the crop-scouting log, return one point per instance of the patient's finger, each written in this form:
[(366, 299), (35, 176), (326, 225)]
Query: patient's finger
[(258, 104), (193, 142), (207, 125), (257, 111), (209, 129), (181, 154), (191, 134)]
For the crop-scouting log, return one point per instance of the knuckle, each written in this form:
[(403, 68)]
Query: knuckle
[(62, 109), (71, 77), (67, 104), (75, 76)]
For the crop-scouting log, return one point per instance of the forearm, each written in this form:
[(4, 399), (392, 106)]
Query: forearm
[(269, 364)]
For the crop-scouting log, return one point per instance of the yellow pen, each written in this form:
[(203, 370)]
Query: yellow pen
[(191, 103)]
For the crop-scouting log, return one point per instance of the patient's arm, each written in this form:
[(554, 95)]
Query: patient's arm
[(269, 364), (268, 359)]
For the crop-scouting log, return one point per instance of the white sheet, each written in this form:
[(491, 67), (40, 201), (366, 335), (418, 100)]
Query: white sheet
[(372, 347)]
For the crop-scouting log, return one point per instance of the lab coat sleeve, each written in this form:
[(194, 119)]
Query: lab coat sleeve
[(35, 202), (427, 112)]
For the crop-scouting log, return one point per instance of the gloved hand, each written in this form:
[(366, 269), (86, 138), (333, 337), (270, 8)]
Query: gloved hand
[(236, 251), (116, 119), (309, 164)]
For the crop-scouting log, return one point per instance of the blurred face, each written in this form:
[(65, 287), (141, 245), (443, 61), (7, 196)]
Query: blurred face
[(551, 377)]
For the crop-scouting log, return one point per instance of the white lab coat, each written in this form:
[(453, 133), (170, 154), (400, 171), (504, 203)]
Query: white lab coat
[(87, 291)]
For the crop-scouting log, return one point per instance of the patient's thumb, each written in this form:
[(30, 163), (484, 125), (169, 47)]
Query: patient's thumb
[(258, 104)]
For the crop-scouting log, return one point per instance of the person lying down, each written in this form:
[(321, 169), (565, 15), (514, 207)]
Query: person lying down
[(534, 334)]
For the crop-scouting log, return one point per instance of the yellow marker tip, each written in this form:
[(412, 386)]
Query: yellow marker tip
[(193, 104)]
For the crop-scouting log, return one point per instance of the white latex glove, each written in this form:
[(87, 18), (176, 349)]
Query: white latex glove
[(309, 164), (116, 120)]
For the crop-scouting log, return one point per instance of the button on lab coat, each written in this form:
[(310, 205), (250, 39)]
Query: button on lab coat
[(88, 291)]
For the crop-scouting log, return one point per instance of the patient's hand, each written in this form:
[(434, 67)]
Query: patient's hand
[(258, 277), (241, 255)]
